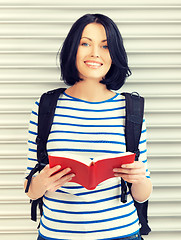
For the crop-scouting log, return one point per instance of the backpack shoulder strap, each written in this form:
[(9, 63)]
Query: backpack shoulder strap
[(133, 122), (47, 106), (133, 127)]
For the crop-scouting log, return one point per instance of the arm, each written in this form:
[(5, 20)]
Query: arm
[(46, 179), (135, 173)]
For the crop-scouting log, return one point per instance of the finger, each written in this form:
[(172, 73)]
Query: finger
[(128, 173), (54, 170), (50, 171), (124, 166), (136, 164), (60, 174), (129, 178), (66, 178), (131, 171), (130, 165), (63, 172), (61, 182)]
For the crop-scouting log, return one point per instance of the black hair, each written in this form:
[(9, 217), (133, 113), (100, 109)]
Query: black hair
[(119, 69)]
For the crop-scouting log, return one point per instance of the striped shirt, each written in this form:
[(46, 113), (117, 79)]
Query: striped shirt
[(88, 129)]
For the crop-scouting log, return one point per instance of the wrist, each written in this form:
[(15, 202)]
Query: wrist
[(141, 190), (140, 181), (37, 189)]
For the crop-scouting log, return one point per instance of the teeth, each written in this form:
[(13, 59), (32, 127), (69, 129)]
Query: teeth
[(93, 64)]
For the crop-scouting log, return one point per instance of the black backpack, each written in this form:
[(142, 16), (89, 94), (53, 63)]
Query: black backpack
[(133, 126)]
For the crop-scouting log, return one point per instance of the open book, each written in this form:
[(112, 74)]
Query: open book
[(89, 173)]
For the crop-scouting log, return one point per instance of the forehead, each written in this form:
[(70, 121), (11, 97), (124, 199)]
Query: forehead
[(94, 31)]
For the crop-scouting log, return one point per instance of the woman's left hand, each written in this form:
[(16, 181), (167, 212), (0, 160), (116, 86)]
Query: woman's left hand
[(132, 173)]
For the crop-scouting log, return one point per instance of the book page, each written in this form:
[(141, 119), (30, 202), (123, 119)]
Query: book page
[(83, 159), (106, 156)]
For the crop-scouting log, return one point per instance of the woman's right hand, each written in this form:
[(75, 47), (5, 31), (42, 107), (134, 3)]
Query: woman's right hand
[(48, 179), (52, 180)]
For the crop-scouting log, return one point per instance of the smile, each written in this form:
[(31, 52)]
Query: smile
[(93, 64)]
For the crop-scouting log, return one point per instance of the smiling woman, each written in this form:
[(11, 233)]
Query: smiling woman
[(89, 121)]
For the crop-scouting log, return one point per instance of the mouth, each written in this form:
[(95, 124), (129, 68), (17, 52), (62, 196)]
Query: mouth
[(93, 64)]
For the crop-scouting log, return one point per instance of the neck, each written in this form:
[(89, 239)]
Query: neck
[(90, 91)]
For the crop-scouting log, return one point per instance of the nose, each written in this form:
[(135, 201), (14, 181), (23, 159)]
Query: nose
[(95, 52)]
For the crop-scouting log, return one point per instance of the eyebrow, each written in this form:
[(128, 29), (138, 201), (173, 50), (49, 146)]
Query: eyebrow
[(91, 39)]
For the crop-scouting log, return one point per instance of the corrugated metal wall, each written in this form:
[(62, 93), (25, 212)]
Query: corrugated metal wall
[(31, 33)]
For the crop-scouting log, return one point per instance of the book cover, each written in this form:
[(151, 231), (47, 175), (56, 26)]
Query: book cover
[(89, 173)]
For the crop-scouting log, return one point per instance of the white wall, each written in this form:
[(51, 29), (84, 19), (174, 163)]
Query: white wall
[(31, 33)]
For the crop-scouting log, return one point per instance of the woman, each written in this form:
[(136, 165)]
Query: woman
[(89, 121)]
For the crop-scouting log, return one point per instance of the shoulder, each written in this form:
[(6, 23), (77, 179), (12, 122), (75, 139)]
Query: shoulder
[(52, 93)]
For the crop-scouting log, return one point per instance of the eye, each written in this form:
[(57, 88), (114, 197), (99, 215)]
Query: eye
[(85, 44), (105, 47)]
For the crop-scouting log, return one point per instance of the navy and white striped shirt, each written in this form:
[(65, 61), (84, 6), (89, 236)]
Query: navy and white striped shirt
[(87, 129)]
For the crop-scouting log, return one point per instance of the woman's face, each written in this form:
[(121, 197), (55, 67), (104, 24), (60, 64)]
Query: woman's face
[(93, 59)]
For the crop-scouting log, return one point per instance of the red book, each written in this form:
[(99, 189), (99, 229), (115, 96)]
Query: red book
[(89, 173)]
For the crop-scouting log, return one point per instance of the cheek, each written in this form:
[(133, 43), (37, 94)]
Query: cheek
[(108, 59), (78, 58), (79, 62), (109, 62), (82, 52)]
